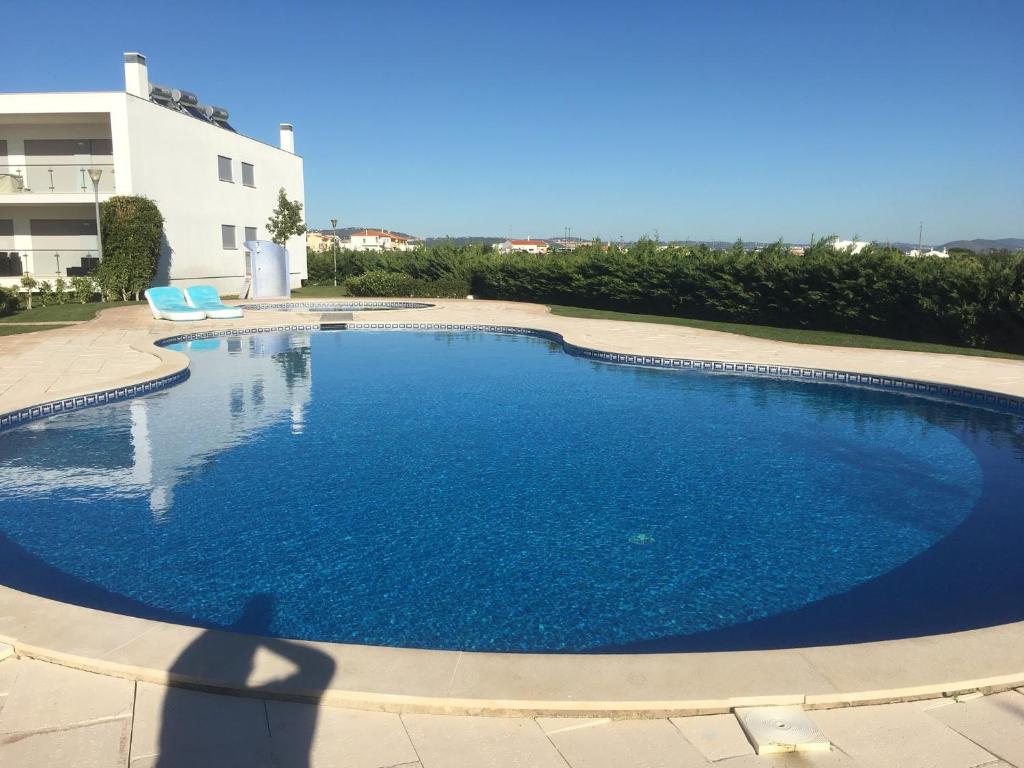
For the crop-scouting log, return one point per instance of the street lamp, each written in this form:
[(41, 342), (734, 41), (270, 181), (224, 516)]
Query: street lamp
[(334, 249), (94, 174)]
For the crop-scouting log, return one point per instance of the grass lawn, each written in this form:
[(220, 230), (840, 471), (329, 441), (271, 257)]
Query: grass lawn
[(56, 313), (795, 335), (9, 329)]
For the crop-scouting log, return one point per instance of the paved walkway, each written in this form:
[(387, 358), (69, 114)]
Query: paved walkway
[(55, 717)]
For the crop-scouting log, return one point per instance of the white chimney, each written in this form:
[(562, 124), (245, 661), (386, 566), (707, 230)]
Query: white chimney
[(288, 137), (136, 75)]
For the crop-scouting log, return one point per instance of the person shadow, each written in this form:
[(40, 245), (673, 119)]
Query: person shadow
[(201, 729)]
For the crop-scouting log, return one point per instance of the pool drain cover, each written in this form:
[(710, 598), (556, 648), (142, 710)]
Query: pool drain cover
[(781, 729), (641, 538)]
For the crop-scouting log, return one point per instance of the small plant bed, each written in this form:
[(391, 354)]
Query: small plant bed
[(60, 313), (794, 335)]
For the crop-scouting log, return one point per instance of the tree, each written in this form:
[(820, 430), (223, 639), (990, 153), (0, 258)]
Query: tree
[(29, 284), (133, 229), (286, 219)]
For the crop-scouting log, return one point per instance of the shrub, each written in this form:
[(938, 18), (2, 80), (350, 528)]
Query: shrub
[(320, 267), (46, 295), (379, 282), (60, 291), (132, 228), (83, 288), (9, 300)]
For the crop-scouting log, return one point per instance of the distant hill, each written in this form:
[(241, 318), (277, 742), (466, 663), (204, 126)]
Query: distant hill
[(981, 245)]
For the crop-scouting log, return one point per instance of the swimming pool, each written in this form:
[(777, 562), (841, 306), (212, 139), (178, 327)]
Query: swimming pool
[(489, 492)]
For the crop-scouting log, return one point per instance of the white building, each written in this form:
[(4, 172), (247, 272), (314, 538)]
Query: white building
[(853, 246), (378, 240), (522, 246), (215, 187), (943, 254)]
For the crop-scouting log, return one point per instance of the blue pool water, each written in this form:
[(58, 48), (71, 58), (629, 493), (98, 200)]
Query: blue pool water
[(490, 492)]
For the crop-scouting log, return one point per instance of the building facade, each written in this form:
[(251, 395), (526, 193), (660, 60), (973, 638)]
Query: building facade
[(318, 241), (523, 246), (215, 187), (378, 240)]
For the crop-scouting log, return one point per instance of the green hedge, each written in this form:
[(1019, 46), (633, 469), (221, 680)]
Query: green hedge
[(132, 227), (966, 300)]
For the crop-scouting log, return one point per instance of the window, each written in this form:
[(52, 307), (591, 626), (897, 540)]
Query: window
[(248, 177), (224, 168), (250, 234), (227, 236), (61, 227)]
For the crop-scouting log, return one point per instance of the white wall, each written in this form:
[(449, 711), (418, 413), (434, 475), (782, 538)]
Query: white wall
[(173, 160)]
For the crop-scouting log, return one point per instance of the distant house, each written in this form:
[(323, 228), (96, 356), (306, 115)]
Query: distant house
[(797, 250), (318, 241), (379, 240), (943, 254), (522, 246), (853, 246)]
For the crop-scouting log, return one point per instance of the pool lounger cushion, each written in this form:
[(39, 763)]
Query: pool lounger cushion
[(206, 298), (168, 303)]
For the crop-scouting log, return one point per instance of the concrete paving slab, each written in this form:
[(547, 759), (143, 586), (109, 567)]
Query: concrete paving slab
[(899, 736), (623, 744), (995, 723), (306, 736), (8, 674), (716, 736), (100, 745), (189, 728), (50, 696), (480, 742), (6, 651)]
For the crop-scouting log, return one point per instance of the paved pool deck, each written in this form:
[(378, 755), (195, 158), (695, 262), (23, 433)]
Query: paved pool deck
[(431, 693)]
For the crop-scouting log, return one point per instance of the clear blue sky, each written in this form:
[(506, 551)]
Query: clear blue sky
[(712, 119)]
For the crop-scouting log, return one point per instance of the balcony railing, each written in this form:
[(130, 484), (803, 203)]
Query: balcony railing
[(48, 264), (53, 178)]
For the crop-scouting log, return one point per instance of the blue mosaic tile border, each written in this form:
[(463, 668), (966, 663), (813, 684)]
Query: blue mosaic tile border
[(166, 342), (965, 395), (43, 410)]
